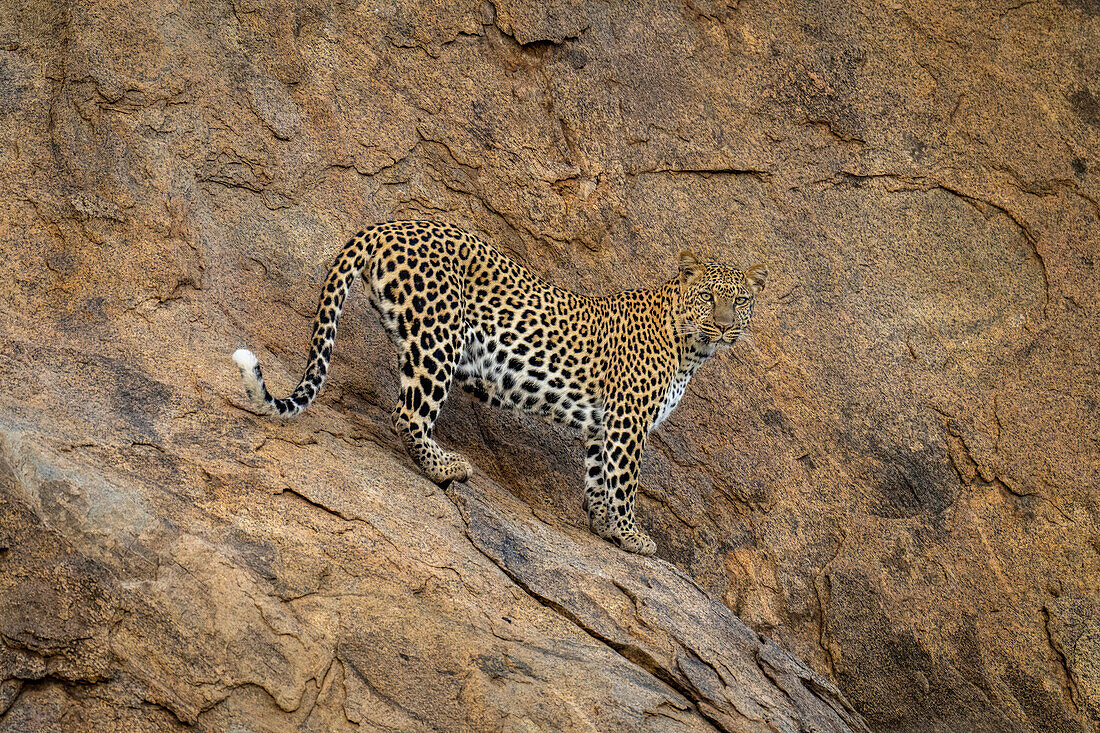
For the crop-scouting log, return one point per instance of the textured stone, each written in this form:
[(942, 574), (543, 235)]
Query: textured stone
[(895, 479)]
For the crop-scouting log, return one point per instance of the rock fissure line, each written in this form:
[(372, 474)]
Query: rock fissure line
[(631, 653), (1070, 683), (639, 657), (1020, 223), (650, 667), (387, 699), (771, 674)]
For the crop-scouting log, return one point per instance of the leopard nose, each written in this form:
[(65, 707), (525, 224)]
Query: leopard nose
[(723, 327)]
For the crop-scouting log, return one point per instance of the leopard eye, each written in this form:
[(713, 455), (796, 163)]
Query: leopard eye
[(741, 301), (708, 297)]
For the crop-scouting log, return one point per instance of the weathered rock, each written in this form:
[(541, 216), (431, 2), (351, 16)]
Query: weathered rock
[(896, 479), (322, 584)]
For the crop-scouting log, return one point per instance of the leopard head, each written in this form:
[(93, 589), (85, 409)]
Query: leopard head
[(717, 301)]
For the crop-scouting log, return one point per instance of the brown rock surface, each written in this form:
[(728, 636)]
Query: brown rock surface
[(896, 480)]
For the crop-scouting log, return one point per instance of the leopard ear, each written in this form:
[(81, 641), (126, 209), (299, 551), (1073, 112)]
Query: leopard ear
[(690, 266), (755, 276)]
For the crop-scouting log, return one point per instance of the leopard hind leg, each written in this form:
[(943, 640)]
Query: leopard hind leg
[(427, 330)]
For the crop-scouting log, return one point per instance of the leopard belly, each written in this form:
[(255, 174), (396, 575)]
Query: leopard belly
[(518, 376)]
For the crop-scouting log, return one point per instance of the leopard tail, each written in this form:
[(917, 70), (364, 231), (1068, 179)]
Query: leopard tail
[(349, 263)]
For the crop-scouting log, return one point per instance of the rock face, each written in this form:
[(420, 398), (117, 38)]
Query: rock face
[(896, 479), (152, 590)]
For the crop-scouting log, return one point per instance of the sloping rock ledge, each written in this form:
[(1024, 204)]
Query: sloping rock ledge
[(298, 576)]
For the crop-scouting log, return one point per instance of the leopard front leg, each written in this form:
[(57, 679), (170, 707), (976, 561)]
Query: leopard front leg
[(622, 452)]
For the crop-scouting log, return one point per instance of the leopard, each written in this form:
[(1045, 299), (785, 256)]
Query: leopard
[(459, 312)]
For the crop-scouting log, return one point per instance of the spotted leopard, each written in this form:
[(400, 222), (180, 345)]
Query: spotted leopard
[(612, 368)]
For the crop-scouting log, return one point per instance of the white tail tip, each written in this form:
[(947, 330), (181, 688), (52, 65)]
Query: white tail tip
[(245, 359)]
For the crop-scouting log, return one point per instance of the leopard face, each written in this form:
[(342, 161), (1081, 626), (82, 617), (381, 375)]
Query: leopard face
[(717, 300)]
